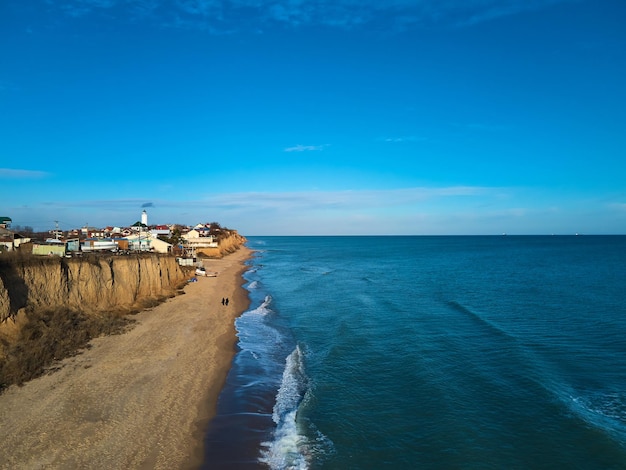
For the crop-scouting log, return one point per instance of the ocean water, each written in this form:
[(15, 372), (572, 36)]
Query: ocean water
[(504, 352)]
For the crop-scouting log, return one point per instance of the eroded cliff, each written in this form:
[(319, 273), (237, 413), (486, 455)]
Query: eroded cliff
[(90, 285), (229, 244), (52, 307)]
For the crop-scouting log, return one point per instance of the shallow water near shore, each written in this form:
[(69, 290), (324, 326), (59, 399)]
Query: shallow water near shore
[(428, 352)]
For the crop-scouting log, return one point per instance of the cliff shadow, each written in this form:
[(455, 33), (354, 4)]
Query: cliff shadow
[(16, 288)]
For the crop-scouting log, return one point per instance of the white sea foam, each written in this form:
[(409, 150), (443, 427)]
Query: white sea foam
[(607, 405), (262, 309), (253, 285), (604, 410), (289, 449), (257, 338), (292, 388)]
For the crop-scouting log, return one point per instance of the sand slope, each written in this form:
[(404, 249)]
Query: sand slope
[(137, 400)]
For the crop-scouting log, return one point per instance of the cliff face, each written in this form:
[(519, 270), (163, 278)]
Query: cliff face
[(227, 245), (51, 307), (89, 285)]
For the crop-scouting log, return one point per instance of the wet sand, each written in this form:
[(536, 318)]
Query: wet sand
[(139, 400)]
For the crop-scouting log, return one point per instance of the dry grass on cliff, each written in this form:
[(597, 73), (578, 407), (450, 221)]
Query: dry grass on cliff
[(49, 336), (20, 258)]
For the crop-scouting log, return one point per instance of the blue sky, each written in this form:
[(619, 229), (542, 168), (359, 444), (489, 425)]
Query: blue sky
[(281, 117)]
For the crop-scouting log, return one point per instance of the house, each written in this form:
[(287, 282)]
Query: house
[(72, 244), (191, 234), (19, 240), (204, 231), (6, 239), (92, 232), (139, 242), (139, 227), (5, 222), (10, 241), (110, 231), (159, 246), (197, 239), (50, 248), (163, 230), (98, 244), (123, 244)]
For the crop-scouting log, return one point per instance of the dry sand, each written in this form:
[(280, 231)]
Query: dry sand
[(139, 400)]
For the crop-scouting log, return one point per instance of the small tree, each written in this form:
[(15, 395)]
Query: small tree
[(174, 238)]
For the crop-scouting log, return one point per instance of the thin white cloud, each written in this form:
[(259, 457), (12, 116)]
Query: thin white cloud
[(496, 9), (306, 148), (230, 15), (411, 138), (10, 173), (417, 210), (79, 8), (116, 204), (348, 199)]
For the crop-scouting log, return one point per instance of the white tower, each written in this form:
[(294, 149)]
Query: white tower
[(144, 218)]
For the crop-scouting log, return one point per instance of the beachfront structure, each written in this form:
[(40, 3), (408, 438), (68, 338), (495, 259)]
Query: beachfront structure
[(5, 222), (159, 246), (144, 218), (50, 248), (139, 241), (163, 230), (10, 240), (196, 239), (110, 231), (6, 239), (92, 232), (99, 244), (72, 245)]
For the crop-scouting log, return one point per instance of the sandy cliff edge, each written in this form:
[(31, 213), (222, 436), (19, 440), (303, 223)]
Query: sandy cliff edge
[(137, 400)]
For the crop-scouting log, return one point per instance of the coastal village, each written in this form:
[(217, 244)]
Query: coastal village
[(101, 335), (184, 242), (71, 286)]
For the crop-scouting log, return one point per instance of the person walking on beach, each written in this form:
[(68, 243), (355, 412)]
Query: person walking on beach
[(223, 301), (226, 300)]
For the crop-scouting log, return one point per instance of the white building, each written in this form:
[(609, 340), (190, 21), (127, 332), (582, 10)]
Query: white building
[(148, 242), (139, 242), (193, 239), (161, 230), (159, 246)]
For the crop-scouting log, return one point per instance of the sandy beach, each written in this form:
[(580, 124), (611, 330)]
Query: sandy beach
[(139, 400)]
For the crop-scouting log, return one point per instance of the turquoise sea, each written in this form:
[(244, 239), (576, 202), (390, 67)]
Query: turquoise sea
[(502, 352)]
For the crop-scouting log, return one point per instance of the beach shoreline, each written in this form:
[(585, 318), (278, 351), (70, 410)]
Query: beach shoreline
[(142, 399)]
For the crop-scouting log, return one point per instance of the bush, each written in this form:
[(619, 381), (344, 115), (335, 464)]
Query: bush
[(50, 336)]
